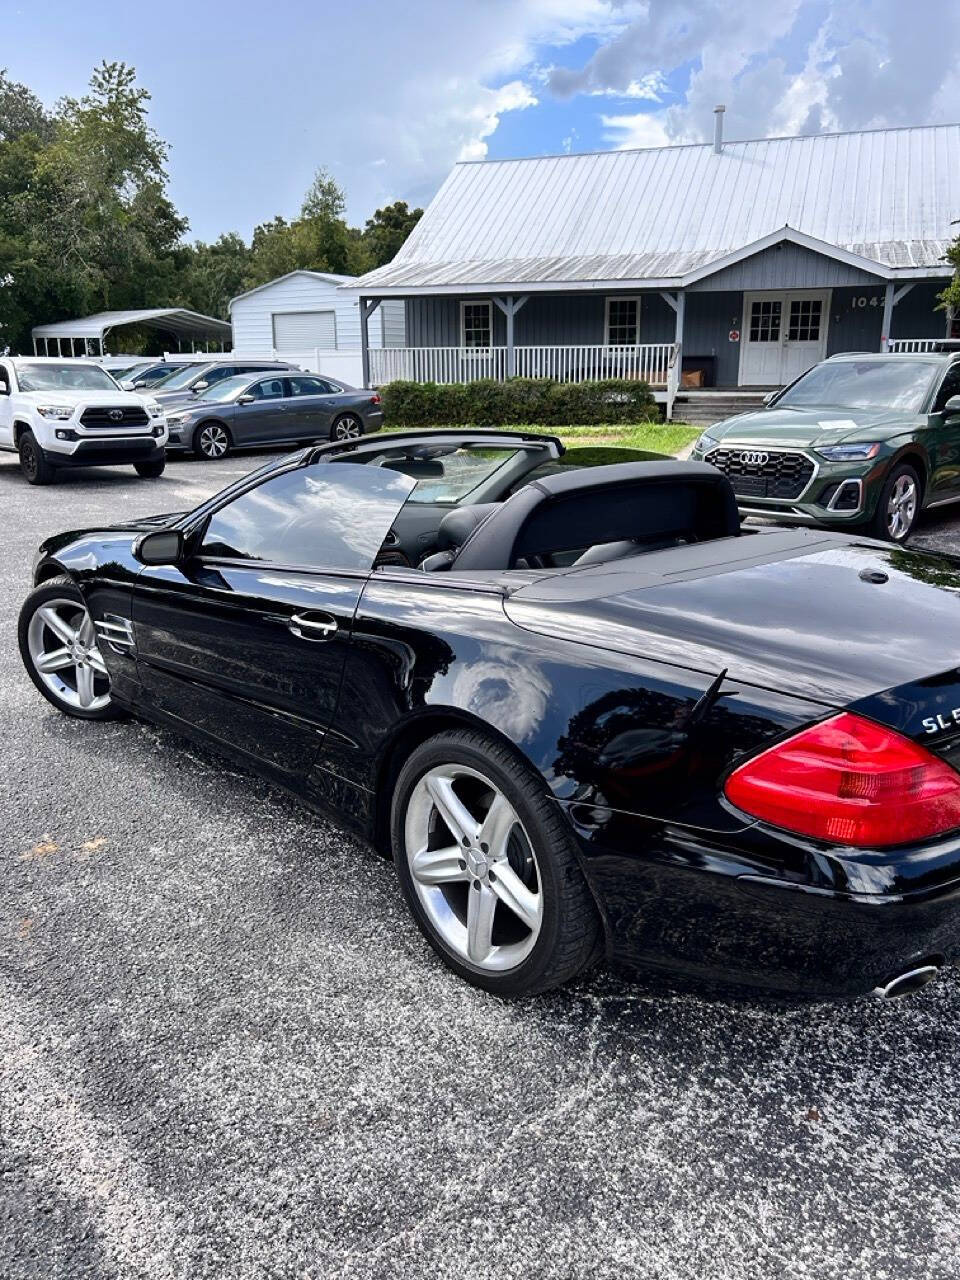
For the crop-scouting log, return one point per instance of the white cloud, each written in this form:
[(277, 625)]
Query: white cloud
[(645, 129), (485, 116)]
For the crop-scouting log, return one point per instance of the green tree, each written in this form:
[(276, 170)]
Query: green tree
[(386, 231), (950, 297)]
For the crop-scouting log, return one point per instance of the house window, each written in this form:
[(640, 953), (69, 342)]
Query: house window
[(475, 324), (623, 322), (765, 321), (804, 320)]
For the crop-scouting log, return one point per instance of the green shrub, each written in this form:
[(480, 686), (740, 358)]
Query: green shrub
[(533, 401)]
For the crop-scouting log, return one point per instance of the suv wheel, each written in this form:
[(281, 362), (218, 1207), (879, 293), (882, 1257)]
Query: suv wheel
[(347, 427), (898, 506), (33, 461)]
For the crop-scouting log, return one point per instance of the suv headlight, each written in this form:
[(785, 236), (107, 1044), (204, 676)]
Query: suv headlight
[(154, 409), (59, 412), (705, 442), (174, 419), (848, 452)]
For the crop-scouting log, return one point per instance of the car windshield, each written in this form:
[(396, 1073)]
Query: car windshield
[(445, 474), (179, 378), (863, 384), (227, 388), (64, 377)]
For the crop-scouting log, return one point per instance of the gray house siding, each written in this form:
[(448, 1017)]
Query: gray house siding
[(435, 322), (784, 266), (560, 319), (916, 314)]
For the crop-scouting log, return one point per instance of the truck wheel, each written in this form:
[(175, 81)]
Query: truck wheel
[(150, 470), (33, 461)]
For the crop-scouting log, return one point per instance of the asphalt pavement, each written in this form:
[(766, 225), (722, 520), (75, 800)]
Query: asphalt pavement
[(226, 1052)]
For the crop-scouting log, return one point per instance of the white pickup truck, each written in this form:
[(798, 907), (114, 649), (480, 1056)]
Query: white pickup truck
[(71, 413)]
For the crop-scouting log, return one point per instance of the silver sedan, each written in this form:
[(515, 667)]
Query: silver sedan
[(272, 409)]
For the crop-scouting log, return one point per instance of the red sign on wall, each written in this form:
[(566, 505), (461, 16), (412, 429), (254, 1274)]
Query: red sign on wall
[(734, 335)]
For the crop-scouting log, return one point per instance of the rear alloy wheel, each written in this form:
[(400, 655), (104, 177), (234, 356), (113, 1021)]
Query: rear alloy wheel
[(33, 462), (899, 505), (58, 644), (488, 866), (212, 441), (348, 427)]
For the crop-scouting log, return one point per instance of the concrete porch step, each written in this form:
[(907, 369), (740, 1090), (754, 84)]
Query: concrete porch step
[(703, 407)]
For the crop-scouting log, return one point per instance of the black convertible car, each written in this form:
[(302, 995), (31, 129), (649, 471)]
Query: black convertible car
[(587, 713)]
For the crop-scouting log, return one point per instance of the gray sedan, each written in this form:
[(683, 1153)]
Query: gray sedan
[(272, 409)]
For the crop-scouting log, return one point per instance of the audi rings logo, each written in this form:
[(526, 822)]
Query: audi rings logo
[(116, 415), (754, 457)]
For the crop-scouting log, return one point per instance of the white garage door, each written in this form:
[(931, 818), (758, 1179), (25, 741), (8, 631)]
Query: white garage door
[(303, 330)]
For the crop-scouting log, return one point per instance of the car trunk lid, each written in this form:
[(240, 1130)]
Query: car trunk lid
[(801, 611)]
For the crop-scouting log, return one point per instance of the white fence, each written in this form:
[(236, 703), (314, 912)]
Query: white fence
[(650, 362), (342, 366), (913, 345)]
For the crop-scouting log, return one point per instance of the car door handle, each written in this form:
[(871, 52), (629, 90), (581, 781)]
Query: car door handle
[(320, 628)]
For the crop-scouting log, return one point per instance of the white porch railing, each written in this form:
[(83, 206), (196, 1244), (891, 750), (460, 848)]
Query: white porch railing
[(649, 362), (913, 345)]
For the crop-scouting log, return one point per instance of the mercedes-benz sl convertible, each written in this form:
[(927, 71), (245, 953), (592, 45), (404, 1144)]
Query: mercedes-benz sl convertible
[(585, 711)]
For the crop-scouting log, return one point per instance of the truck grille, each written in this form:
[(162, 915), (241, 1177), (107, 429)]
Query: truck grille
[(763, 473), (130, 415)]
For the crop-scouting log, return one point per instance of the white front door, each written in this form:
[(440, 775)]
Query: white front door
[(783, 335)]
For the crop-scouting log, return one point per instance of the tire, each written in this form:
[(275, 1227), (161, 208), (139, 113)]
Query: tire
[(79, 688), (212, 441), (33, 461), (460, 905), (898, 505), (347, 427), (150, 470)]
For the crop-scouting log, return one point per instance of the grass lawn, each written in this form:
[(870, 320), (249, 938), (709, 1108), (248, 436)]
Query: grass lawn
[(654, 437)]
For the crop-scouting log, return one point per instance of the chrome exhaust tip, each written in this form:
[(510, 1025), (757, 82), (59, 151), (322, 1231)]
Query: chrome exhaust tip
[(905, 984)]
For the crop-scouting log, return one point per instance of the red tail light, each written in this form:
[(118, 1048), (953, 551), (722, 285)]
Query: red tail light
[(850, 781), (374, 399)]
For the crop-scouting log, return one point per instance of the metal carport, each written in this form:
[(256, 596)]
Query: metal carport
[(84, 337)]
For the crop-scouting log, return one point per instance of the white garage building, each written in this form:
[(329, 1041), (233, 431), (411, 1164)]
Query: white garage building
[(305, 317)]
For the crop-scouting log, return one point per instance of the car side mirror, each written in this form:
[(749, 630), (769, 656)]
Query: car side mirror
[(165, 546), (201, 385), (140, 383), (952, 408), (4, 388), (246, 399), (770, 397)]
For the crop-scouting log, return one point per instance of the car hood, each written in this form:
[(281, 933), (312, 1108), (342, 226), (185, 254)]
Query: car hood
[(143, 524), (792, 610), (811, 426), (111, 396)]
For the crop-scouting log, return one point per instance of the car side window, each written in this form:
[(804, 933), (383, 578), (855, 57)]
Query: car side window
[(218, 374), (311, 516), (308, 387), (950, 386), (268, 389)]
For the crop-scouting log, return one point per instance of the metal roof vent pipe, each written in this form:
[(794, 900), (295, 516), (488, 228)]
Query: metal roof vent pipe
[(718, 128)]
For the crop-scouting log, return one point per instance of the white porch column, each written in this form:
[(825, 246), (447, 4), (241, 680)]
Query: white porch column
[(510, 306), (891, 297), (678, 303)]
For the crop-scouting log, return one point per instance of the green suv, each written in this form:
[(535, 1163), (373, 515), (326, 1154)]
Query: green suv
[(858, 440)]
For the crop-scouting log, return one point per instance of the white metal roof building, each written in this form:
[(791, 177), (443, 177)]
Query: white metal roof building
[(84, 337), (775, 230)]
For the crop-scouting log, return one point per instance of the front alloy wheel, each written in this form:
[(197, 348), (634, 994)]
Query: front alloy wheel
[(212, 441), (349, 427), (58, 644), (898, 505)]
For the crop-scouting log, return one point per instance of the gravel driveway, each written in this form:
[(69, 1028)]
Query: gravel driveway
[(225, 1051)]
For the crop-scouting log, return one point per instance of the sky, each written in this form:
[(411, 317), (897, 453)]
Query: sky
[(252, 98)]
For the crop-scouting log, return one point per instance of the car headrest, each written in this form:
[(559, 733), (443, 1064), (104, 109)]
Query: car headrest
[(457, 526), (641, 501)]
